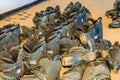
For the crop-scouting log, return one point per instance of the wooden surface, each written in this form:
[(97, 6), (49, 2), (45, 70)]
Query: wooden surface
[(97, 7)]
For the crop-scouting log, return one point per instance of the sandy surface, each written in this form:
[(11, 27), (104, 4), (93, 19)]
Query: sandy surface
[(97, 7)]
